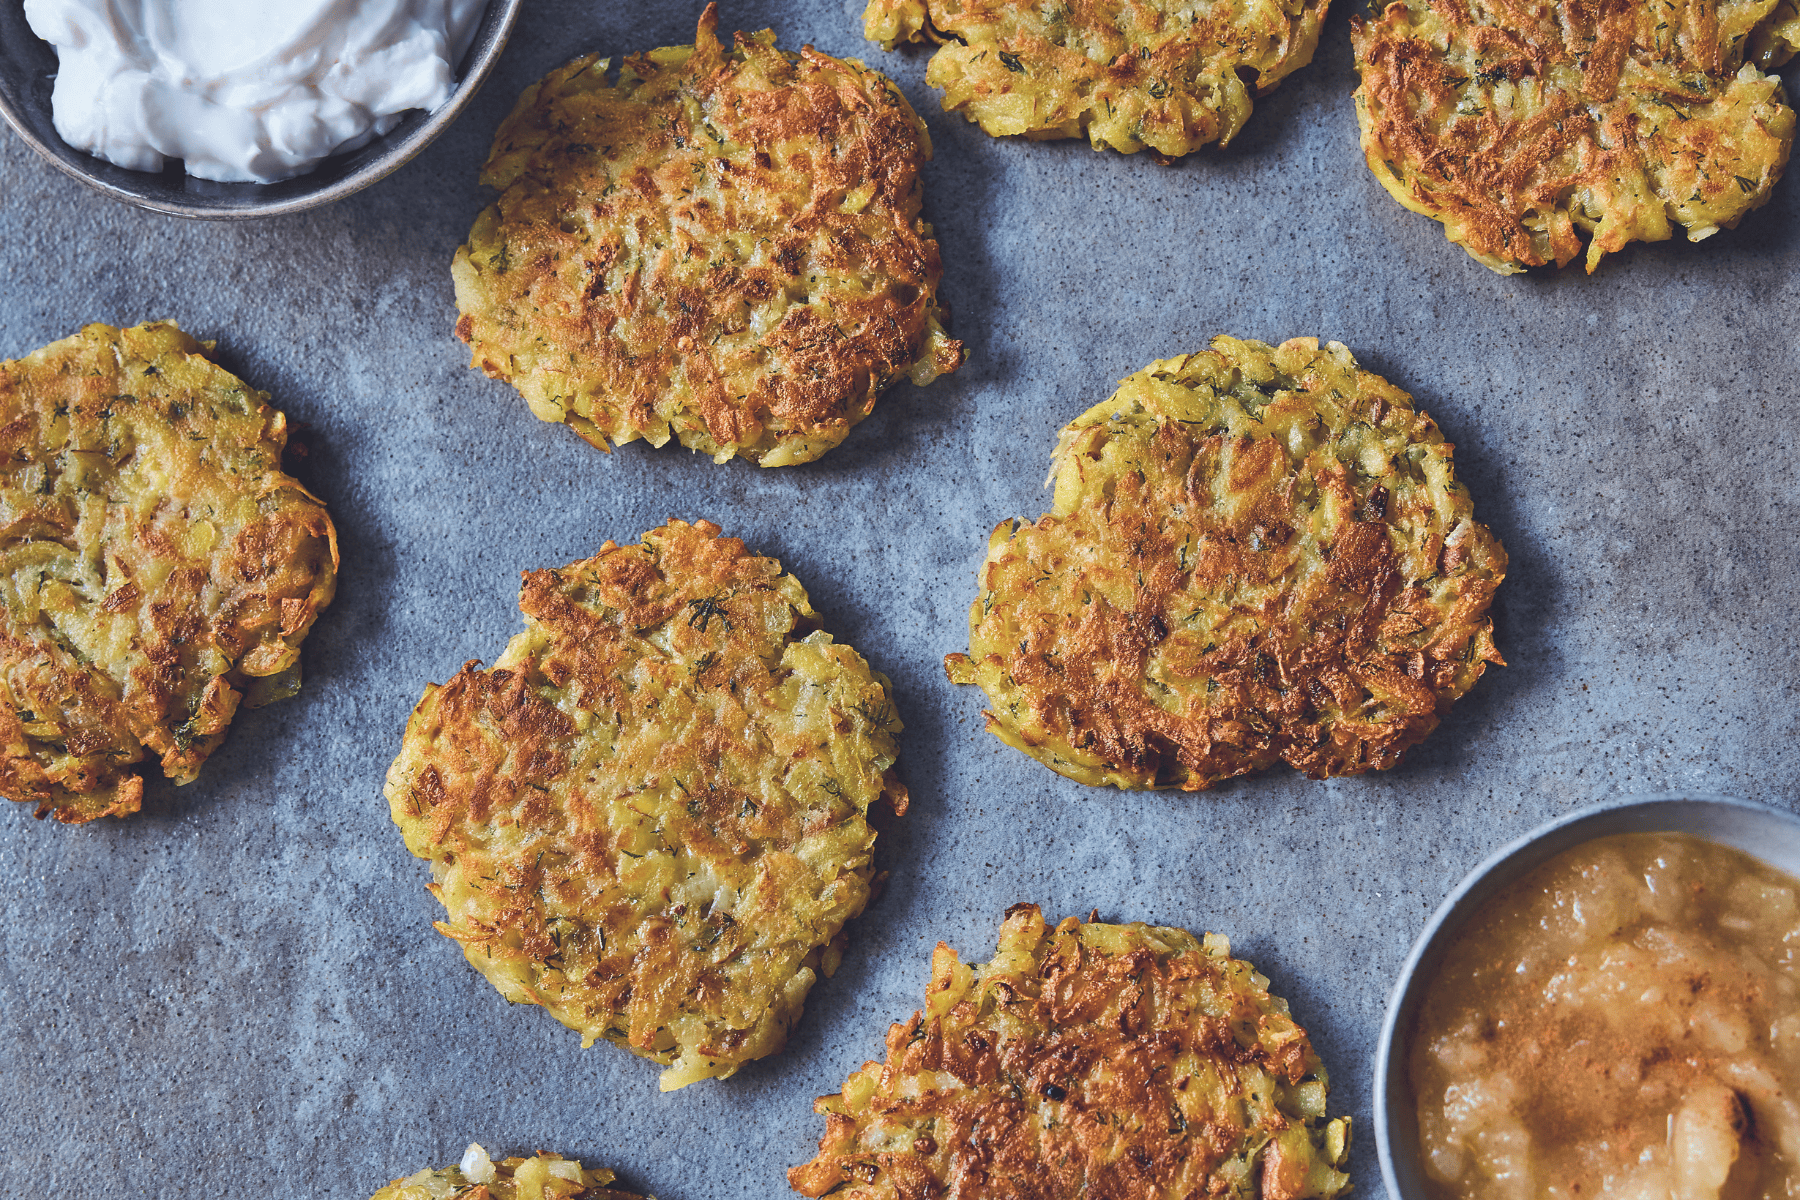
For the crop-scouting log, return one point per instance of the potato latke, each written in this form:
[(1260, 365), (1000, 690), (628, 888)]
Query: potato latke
[(650, 816), (540, 1177), (158, 567), (1521, 127), (1255, 553), (1088, 1060), (721, 246), (1171, 75)]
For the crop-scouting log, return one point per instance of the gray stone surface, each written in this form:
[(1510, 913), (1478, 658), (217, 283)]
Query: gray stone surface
[(238, 992)]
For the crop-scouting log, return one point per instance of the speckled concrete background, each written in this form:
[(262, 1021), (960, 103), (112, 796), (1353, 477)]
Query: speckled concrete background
[(238, 991)]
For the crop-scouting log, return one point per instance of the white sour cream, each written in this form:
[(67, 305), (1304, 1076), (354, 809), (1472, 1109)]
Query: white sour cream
[(245, 92)]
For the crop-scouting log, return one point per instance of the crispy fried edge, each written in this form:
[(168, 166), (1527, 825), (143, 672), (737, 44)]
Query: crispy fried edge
[(1503, 242), (21, 776), (938, 353), (1423, 718), (892, 22), (684, 1064), (945, 998)]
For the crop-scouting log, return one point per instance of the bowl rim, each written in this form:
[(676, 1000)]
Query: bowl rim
[(478, 62), (1696, 813)]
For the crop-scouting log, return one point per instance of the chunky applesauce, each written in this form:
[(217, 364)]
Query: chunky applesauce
[(1623, 1022)]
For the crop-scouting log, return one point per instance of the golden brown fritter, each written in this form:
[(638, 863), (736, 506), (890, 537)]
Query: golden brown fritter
[(651, 815), (1171, 75), (1087, 1061), (157, 567), (477, 1177), (1255, 553), (719, 246), (1523, 127)]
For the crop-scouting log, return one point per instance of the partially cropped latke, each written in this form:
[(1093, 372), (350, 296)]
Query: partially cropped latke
[(478, 1177), (1523, 127), (1255, 554), (718, 246), (1170, 75), (157, 567), (1087, 1060), (651, 815)]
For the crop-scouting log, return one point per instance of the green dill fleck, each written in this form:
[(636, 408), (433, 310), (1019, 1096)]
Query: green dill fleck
[(705, 609), (879, 714)]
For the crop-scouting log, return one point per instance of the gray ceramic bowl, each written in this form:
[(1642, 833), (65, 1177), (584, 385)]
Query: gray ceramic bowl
[(1770, 834), (28, 65)]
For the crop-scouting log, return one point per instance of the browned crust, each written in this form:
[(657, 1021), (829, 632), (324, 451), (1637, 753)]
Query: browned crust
[(650, 816), (1264, 556), (1161, 75), (1526, 129), (1118, 1061), (723, 246), (179, 566)]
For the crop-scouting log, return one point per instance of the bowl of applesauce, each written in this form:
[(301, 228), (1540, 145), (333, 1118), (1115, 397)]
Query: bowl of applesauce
[(1606, 1007)]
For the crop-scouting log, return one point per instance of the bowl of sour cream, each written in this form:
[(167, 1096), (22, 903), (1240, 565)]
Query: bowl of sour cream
[(216, 109)]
